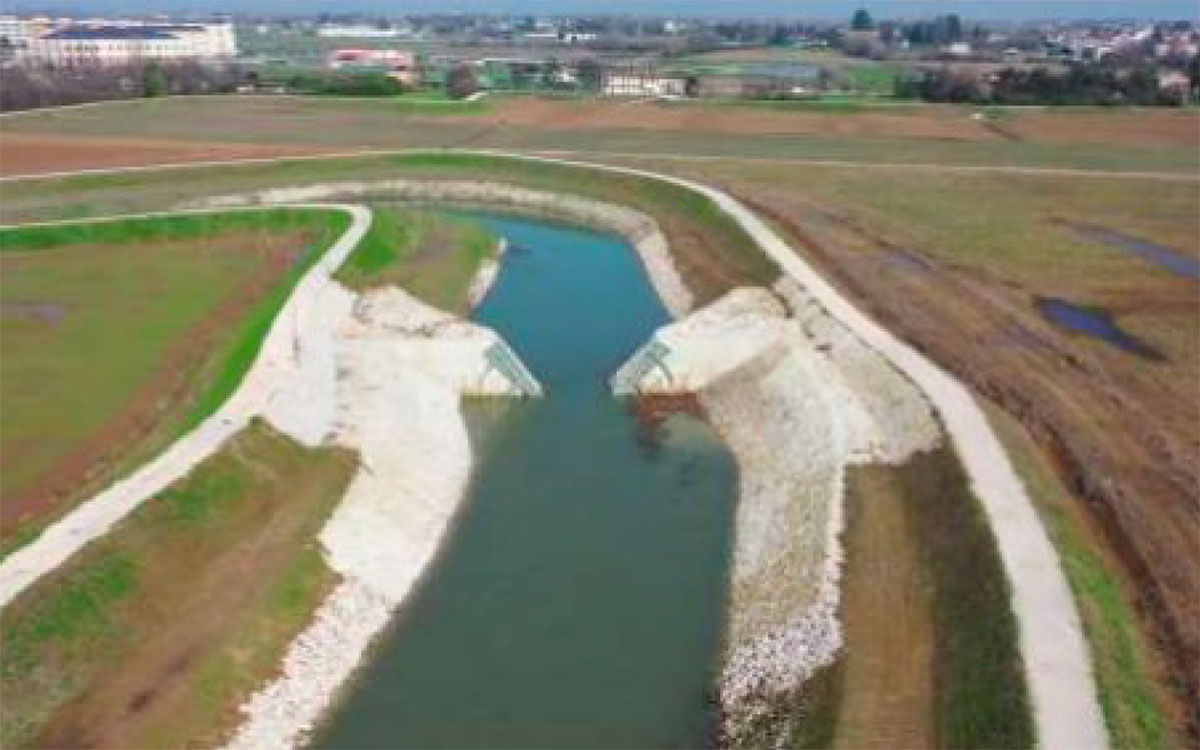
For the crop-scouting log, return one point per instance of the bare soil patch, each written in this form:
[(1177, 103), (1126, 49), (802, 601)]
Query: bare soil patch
[(36, 153), (1162, 128), (933, 122)]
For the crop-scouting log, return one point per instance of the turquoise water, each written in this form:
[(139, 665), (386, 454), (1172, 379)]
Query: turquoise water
[(579, 600)]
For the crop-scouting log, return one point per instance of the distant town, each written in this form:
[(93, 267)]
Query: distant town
[(52, 61)]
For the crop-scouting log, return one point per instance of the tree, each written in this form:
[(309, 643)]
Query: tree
[(461, 82), (862, 20), (154, 80), (591, 74)]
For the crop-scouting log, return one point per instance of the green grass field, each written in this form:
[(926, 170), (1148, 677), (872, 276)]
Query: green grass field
[(431, 254), (160, 317), (151, 636)]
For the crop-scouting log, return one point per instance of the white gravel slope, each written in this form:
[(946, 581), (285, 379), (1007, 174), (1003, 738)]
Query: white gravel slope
[(401, 368), (783, 392)]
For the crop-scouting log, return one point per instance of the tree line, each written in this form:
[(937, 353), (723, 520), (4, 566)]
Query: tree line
[(1078, 85), (31, 88)]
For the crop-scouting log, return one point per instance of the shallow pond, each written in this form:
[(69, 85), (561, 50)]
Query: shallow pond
[(579, 600), (1093, 322), (1165, 257)]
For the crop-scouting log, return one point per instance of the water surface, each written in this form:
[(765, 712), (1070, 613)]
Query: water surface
[(579, 600), (1171, 259), (1093, 322)]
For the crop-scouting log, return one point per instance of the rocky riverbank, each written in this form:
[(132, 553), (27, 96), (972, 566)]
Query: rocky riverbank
[(797, 399), (387, 360)]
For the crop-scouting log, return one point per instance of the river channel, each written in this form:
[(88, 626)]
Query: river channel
[(579, 599)]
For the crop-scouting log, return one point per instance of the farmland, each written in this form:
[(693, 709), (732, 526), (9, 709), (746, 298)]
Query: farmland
[(158, 316), (142, 132)]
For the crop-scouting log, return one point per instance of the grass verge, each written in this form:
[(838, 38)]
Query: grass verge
[(152, 635), (1134, 707), (980, 700)]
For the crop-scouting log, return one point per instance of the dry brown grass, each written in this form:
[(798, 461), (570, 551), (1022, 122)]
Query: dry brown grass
[(887, 667), (36, 153), (153, 635)]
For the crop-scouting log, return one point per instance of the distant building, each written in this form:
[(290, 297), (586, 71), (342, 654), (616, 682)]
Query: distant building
[(16, 34), (1175, 84), (86, 46), (397, 64), (357, 32), (559, 37), (634, 82)]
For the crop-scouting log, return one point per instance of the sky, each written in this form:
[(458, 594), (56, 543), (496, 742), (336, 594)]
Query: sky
[(816, 9)]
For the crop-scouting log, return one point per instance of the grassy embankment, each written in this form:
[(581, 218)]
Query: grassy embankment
[(945, 671), (431, 254), (711, 252), (160, 317), (152, 635)]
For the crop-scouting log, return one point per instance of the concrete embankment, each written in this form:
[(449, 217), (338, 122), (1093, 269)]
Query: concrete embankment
[(640, 229), (386, 379), (797, 398)]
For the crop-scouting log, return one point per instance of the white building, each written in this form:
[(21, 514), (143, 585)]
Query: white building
[(121, 44), (358, 32), (643, 84)]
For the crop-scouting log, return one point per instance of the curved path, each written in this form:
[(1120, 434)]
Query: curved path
[(1053, 648), (94, 517)]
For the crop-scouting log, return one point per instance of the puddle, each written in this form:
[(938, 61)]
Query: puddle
[(905, 260), (1094, 322), (1173, 260), (46, 312)]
